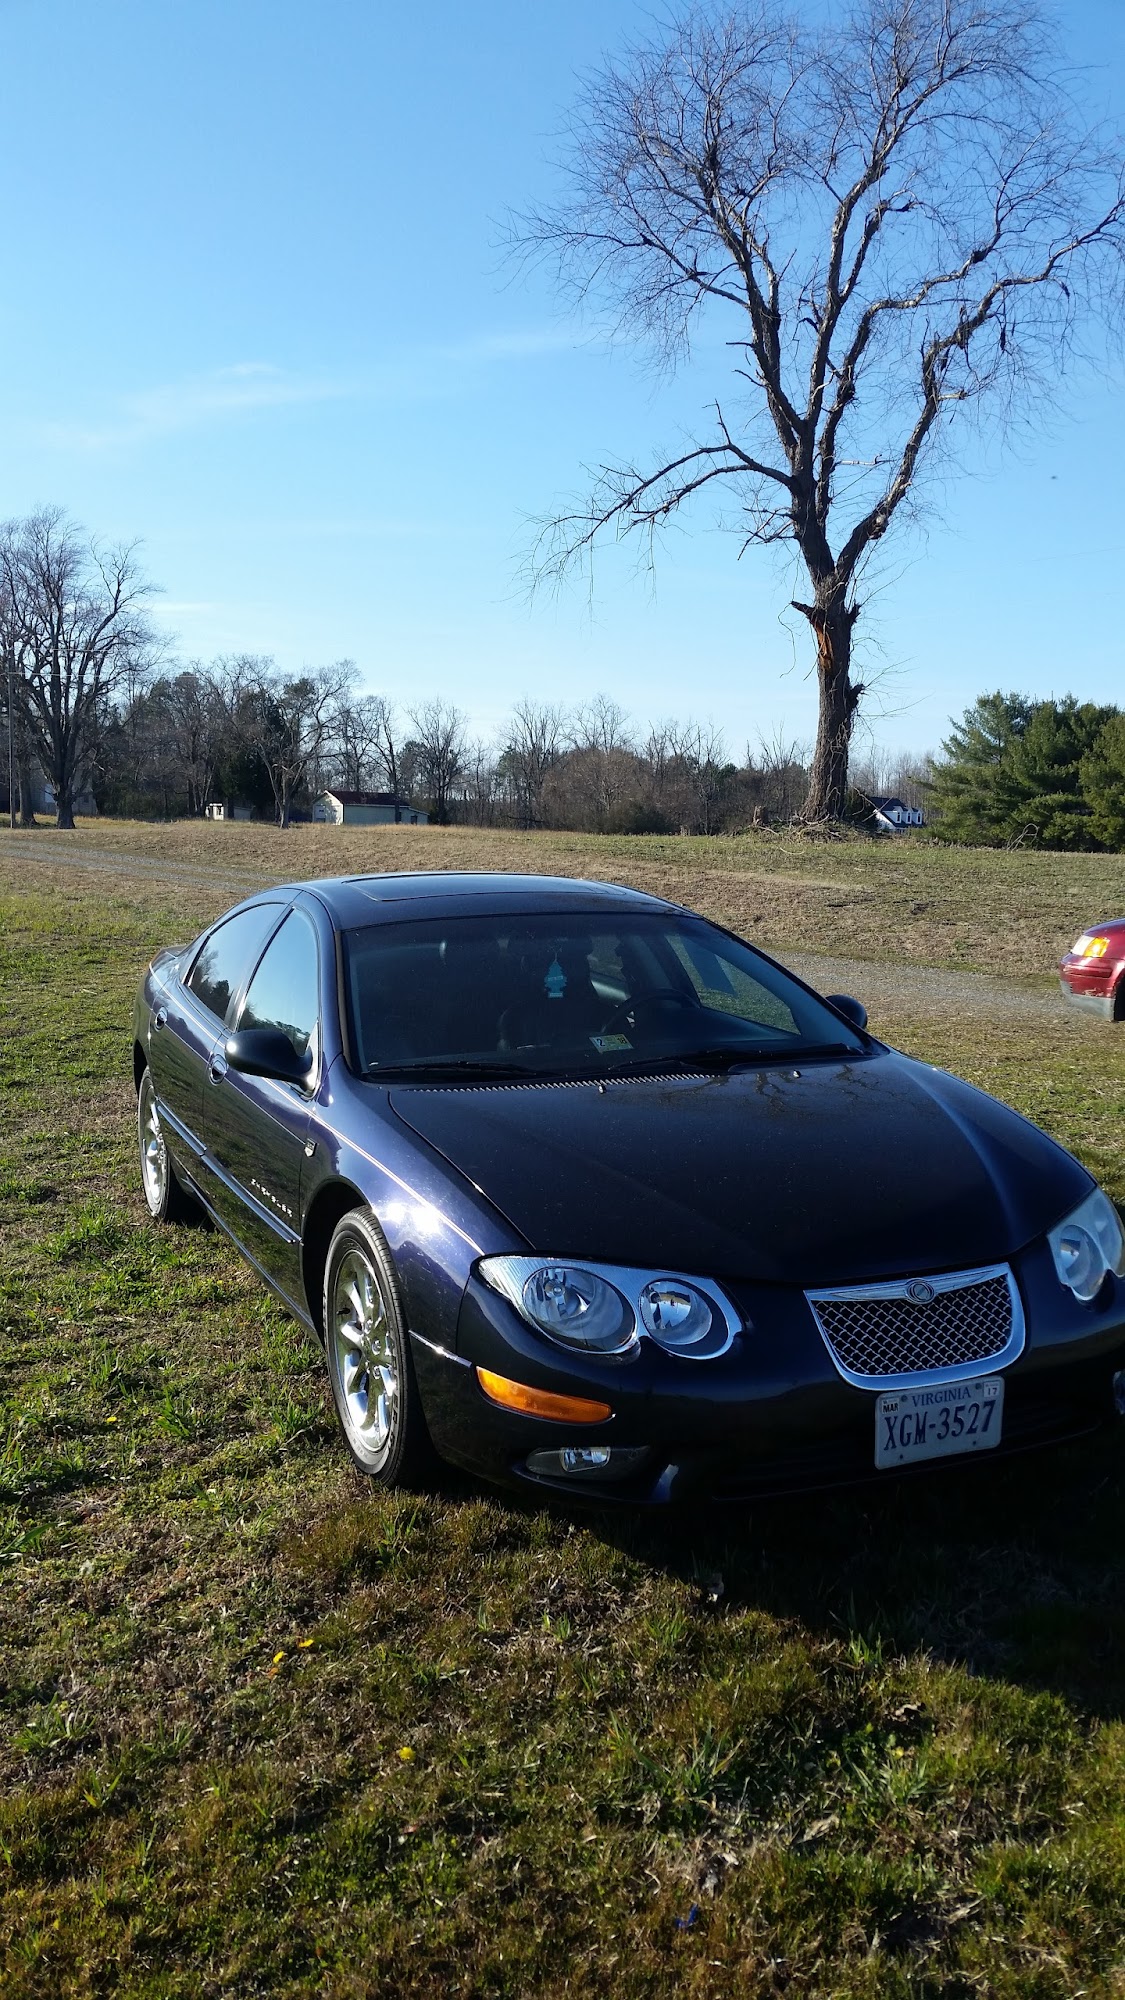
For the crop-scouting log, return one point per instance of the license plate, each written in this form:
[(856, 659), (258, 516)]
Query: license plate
[(912, 1424)]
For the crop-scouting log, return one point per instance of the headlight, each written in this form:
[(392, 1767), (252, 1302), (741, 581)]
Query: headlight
[(674, 1313), (568, 1302), (604, 1309), (1087, 1245)]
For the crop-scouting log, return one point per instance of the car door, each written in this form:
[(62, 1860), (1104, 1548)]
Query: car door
[(255, 1127), (187, 1026)]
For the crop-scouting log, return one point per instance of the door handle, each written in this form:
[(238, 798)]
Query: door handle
[(217, 1067), (160, 1018)]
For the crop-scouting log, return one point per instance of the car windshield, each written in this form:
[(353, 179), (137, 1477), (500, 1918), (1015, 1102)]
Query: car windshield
[(568, 994)]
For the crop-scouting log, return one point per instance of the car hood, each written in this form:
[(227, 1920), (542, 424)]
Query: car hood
[(834, 1174)]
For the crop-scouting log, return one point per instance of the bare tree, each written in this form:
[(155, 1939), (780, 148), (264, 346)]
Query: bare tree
[(291, 722), (478, 784), (198, 715), (601, 770), (363, 742), (901, 213), (440, 749), (700, 754), (73, 624), (535, 739), (780, 766)]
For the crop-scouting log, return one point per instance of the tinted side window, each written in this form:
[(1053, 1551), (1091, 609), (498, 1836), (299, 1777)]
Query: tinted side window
[(228, 954), (284, 991)]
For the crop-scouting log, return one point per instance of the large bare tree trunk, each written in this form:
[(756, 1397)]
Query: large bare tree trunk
[(832, 625)]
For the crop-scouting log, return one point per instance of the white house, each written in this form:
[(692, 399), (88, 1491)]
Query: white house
[(892, 816), (366, 809)]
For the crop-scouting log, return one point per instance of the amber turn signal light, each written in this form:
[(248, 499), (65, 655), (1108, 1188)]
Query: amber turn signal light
[(540, 1402)]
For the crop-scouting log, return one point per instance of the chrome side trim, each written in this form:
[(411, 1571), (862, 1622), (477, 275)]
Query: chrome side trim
[(443, 1353), (298, 1311), (257, 1208), (181, 1131), (899, 1288)]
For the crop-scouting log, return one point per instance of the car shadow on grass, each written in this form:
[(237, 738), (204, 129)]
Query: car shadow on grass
[(1011, 1570)]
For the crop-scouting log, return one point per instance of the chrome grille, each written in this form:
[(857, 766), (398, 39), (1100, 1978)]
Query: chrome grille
[(880, 1334)]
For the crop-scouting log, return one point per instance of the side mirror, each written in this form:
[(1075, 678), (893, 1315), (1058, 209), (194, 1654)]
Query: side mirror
[(852, 1010), (267, 1052)]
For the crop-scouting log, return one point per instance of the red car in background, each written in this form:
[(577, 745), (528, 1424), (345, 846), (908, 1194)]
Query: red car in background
[(1093, 972)]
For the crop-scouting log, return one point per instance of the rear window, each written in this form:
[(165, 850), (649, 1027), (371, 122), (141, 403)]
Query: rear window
[(569, 994)]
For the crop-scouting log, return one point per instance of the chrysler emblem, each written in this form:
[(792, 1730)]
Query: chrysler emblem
[(921, 1293)]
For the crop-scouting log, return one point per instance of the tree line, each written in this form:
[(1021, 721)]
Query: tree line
[(236, 729), (90, 701)]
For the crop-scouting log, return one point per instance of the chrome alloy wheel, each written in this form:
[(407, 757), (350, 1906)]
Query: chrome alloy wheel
[(364, 1356), (154, 1153)]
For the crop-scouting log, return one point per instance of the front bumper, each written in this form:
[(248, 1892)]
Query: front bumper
[(771, 1416), (1092, 985)]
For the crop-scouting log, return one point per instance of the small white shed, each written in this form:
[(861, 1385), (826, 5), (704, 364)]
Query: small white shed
[(340, 808)]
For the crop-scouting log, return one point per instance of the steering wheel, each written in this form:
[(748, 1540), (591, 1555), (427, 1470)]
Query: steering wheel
[(661, 1000)]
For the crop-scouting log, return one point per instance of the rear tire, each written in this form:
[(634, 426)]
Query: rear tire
[(370, 1367), (167, 1201)]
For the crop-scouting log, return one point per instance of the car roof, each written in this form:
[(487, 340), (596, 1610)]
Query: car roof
[(353, 901)]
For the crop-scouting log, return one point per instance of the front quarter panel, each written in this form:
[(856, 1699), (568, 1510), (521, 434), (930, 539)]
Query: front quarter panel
[(436, 1224)]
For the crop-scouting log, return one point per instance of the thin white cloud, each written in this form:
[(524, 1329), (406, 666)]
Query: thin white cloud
[(246, 387), (201, 399)]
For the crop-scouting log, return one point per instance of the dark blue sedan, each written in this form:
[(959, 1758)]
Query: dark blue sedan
[(582, 1192)]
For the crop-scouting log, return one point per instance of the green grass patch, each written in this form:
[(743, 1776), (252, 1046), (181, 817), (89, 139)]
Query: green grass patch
[(262, 1732)]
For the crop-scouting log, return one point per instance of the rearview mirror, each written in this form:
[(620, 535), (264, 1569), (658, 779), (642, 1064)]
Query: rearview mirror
[(852, 1010), (267, 1052)]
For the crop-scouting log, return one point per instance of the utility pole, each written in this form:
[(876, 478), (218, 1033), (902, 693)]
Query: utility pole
[(11, 751)]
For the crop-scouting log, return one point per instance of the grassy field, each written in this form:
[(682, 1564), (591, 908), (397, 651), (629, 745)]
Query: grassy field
[(892, 899), (261, 1733)]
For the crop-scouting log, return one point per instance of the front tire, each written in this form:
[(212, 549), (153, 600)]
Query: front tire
[(166, 1199), (370, 1369)]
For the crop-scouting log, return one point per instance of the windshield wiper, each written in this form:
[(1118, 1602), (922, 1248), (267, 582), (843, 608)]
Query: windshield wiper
[(726, 1055), (446, 1066)]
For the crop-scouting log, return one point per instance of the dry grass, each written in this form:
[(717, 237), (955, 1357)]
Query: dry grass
[(894, 899)]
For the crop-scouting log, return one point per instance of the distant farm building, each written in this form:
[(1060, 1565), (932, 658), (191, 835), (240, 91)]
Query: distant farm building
[(366, 809), (894, 816), (228, 809)]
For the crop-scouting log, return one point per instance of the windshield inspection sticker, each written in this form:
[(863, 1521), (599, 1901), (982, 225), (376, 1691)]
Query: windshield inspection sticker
[(605, 1044), (554, 986)]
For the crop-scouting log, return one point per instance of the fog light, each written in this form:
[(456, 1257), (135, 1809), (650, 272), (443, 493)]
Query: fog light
[(1119, 1392), (613, 1461), (584, 1457)]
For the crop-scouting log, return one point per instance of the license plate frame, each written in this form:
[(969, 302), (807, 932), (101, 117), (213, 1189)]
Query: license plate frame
[(945, 1420)]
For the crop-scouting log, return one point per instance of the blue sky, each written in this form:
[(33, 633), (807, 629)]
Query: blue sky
[(252, 312)]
